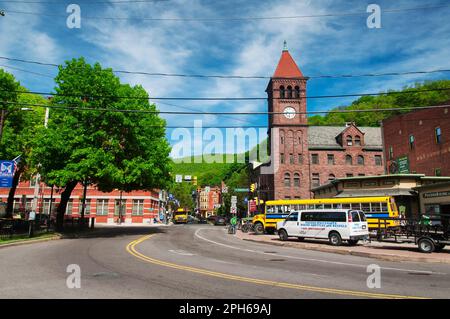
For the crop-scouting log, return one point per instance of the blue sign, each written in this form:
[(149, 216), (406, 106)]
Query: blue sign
[(6, 173)]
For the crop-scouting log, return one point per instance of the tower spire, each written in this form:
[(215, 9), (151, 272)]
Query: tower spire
[(285, 48)]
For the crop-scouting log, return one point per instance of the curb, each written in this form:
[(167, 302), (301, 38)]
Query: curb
[(31, 241), (385, 257)]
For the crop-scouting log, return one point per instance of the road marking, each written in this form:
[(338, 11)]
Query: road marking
[(131, 248), (181, 252), (311, 259)]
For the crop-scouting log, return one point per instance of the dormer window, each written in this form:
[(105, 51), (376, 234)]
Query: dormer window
[(357, 141), (349, 141)]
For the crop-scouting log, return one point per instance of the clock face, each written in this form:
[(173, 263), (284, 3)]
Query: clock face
[(289, 112)]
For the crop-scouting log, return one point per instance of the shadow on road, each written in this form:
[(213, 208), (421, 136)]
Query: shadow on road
[(114, 231)]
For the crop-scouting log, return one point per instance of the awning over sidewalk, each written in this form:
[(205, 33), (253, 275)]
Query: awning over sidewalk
[(376, 192)]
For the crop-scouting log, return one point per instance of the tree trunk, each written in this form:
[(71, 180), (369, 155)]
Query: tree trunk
[(12, 191), (61, 210)]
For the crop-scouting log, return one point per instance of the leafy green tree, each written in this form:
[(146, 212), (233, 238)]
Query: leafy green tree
[(9, 88), (18, 137), (183, 193), (96, 143)]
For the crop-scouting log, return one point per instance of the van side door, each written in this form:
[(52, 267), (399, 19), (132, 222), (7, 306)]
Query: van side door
[(291, 224)]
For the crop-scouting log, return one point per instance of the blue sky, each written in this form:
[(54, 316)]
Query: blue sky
[(407, 41)]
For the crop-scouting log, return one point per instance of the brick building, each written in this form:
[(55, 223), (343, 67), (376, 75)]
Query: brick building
[(137, 206), (209, 199), (418, 142), (302, 156)]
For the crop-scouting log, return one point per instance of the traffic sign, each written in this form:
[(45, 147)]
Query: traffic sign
[(179, 178), (241, 190), (233, 210), (6, 173)]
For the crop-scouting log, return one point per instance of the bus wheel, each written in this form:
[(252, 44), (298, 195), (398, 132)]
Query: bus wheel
[(335, 239), (283, 235), (259, 229), (426, 245)]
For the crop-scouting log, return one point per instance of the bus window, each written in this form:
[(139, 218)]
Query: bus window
[(337, 206), (384, 207), (310, 206), (318, 206), (365, 207), (346, 206), (301, 207), (356, 206), (270, 209), (375, 207), (327, 206)]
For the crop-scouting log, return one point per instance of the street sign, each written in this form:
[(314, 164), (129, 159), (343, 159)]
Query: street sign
[(225, 190), (207, 189), (179, 178), (233, 210), (6, 173), (241, 190), (187, 177), (233, 200), (403, 165)]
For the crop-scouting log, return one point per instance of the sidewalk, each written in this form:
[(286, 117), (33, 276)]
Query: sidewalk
[(378, 250)]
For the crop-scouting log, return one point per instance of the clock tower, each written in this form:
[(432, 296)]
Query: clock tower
[(288, 130)]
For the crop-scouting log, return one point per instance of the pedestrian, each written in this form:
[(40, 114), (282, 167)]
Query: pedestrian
[(233, 223)]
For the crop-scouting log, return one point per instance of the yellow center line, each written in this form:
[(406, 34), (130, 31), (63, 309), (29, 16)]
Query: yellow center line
[(131, 248)]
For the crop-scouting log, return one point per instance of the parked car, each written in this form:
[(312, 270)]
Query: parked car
[(335, 225), (220, 221)]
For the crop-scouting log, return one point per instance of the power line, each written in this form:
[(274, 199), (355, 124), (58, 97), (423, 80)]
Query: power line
[(230, 98), (343, 14), (26, 71), (218, 76), (78, 108), (86, 2)]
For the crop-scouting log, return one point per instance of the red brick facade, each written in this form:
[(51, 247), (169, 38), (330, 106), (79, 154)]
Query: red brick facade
[(303, 156), (427, 154), (102, 206)]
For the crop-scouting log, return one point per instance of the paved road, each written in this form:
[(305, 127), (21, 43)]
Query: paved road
[(202, 261)]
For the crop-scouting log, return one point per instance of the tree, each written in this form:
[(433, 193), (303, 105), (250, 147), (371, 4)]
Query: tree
[(8, 96), (96, 143), (18, 137), (183, 193)]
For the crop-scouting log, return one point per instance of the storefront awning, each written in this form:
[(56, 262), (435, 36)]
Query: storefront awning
[(376, 192)]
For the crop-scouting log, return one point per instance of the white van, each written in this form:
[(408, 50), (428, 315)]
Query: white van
[(335, 224)]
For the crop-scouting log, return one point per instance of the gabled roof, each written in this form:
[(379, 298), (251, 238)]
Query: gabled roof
[(325, 136), (287, 68)]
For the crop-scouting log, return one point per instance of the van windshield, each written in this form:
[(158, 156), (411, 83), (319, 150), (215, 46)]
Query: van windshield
[(292, 217)]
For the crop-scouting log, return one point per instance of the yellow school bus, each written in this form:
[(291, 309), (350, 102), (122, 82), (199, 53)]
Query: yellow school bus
[(375, 208), (180, 216)]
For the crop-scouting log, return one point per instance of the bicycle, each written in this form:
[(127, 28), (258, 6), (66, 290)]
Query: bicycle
[(247, 227), (232, 229)]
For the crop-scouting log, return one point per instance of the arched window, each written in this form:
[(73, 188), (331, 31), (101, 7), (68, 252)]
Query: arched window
[(282, 92), (296, 180), (360, 160), (349, 140), (287, 180), (348, 160), (297, 92), (289, 92), (357, 140), (331, 177)]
